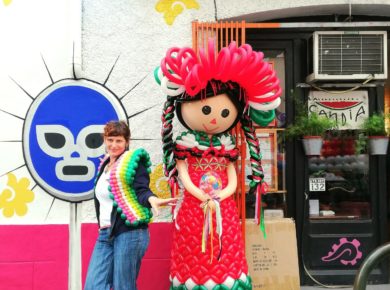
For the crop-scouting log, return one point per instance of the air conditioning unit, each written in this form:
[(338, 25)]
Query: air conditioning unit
[(348, 55)]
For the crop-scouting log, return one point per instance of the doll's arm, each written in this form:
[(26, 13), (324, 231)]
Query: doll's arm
[(181, 166), (232, 182)]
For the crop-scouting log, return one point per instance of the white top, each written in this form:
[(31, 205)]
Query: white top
[(103, 195)]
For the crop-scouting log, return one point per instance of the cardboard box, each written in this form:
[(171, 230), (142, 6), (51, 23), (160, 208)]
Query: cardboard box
[(273, 261)]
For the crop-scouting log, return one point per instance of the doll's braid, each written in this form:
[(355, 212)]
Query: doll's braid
[(254, 151), (167, 139)]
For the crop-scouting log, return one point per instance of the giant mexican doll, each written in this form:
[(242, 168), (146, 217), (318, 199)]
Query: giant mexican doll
[(209, 93)]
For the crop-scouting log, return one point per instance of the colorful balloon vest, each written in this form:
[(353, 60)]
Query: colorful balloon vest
[(121, 187)]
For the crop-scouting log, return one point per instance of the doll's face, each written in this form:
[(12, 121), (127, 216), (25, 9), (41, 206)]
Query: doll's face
[(212, 115)]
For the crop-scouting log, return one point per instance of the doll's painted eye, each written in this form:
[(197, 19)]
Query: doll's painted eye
[(206, 110), (225, 113)]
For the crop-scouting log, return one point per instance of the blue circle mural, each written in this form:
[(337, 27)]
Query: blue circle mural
[(62, 139)]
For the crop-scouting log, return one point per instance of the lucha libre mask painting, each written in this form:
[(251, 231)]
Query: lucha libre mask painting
[(57, 141), (63, 136)]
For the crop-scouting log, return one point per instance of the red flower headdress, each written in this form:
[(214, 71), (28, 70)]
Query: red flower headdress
[(183, 71)]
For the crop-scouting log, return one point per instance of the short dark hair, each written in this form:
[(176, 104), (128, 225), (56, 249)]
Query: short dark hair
[(117, 128)]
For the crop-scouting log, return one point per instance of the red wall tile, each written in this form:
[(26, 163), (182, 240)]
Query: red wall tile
[(34, 257)]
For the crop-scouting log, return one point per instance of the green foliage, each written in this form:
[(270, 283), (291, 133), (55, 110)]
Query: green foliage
[(307, 124), (310, 125), (375, 125), (361, 143)]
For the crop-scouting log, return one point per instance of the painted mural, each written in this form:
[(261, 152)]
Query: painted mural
[(16, 196), (173, 8), (345, 252), (34, 229), (158, 182), (62, 147), (7, 2), (23, 75)]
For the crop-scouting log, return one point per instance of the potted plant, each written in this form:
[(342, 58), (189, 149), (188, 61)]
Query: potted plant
[(311, 128), (378, 139)]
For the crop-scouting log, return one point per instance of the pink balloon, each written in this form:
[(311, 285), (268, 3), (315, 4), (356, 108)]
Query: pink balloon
[(205, 63), (192, 88), (168, 74), (238, 64), (223, 63), (211, 56)]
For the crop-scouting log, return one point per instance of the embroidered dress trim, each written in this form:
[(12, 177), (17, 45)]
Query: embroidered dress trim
[(243, 283), (193, 143)]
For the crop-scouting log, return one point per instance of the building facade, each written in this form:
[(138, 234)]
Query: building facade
[(54, 51)]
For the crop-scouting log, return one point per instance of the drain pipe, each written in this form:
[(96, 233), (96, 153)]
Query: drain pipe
[(75, 215)]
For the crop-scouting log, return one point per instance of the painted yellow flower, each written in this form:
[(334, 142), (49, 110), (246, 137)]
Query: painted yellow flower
[(14, 198), (158, 182), (7, 2), (172, 8)]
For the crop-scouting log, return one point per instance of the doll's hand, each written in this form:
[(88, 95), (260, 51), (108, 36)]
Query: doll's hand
[(210, 203), (203, 196)]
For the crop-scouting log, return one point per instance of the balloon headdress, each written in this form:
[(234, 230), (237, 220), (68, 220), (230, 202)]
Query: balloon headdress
[(184, 72), (186, 76)]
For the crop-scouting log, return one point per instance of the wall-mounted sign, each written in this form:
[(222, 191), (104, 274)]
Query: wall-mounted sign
[(348, 109), (62, 139), (317, 184)]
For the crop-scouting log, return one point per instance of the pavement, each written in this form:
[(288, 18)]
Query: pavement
[(369, 287)]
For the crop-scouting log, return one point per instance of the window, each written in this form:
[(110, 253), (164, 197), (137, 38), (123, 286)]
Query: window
[(272, 147), (339, 179)]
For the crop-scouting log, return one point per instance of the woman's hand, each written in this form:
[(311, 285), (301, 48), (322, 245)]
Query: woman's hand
[(157, 202)]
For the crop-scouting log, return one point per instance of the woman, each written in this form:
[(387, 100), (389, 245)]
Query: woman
[(122, 201), (210, 94)]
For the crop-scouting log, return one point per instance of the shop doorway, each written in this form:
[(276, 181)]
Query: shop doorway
[(288, 47)]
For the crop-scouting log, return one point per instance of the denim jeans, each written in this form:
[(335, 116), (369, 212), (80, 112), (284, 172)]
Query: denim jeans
[(115, 263)]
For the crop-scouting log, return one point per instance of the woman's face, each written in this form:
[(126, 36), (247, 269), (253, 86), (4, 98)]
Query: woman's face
[(115, 145), (211, 115)]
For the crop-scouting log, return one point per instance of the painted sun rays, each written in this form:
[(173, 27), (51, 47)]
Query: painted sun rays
[(35, 184)]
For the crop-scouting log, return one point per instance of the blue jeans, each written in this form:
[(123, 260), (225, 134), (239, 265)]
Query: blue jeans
[(115, 263)]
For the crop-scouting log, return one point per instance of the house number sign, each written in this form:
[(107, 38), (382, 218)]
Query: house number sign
[(317, 184)]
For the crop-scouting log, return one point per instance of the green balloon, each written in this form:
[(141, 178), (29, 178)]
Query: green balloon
[(262, 118), (156, 75)]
